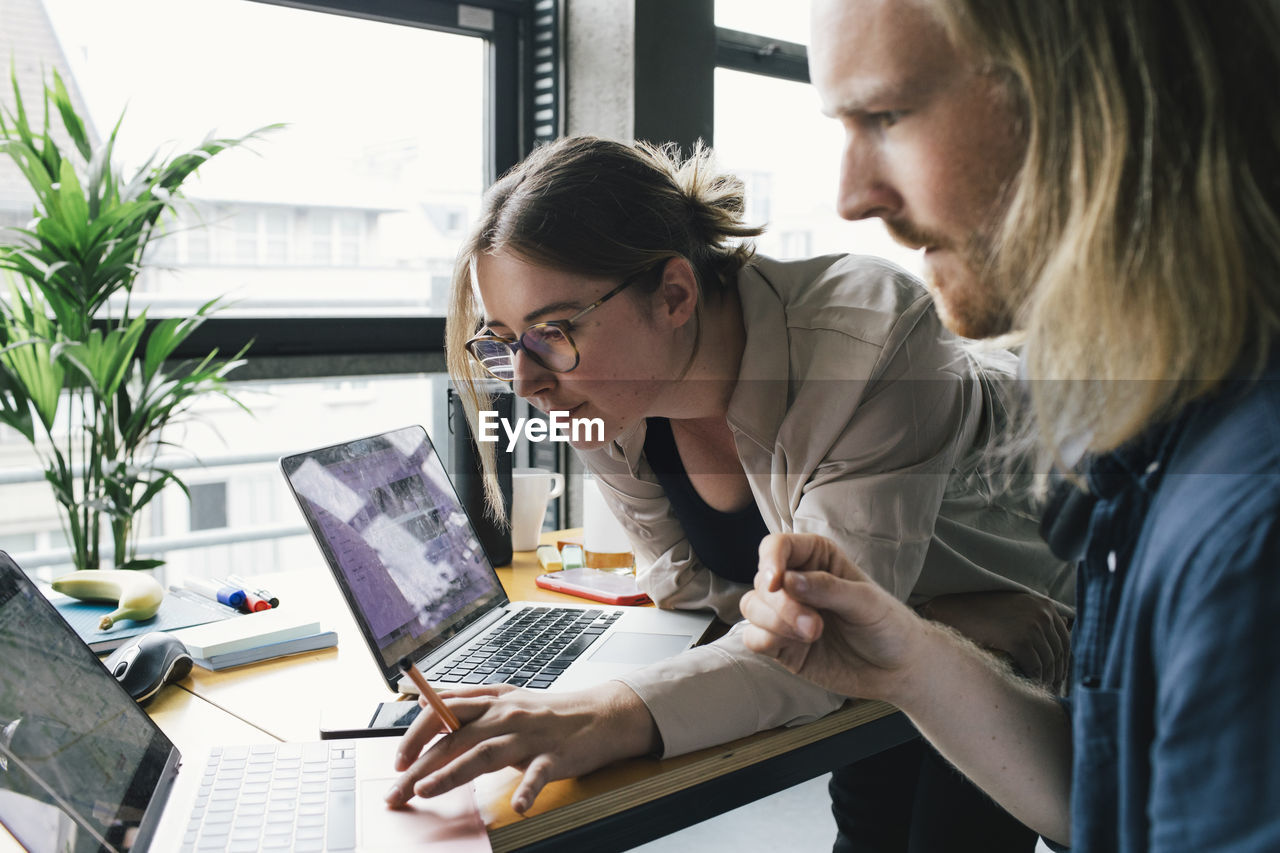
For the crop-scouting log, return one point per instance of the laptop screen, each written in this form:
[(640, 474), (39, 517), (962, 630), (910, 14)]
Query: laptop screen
[(79, 761), (399, 542)]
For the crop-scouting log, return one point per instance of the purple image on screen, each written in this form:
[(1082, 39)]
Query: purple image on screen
[(400, 538)]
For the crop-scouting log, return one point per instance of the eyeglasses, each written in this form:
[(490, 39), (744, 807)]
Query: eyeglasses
[(549, 344)]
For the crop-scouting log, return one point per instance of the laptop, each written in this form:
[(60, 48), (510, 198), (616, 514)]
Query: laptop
[(83, 768), (409, 563)]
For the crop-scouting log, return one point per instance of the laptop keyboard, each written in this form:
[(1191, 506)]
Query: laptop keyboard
[(531, 650), (288, 796)]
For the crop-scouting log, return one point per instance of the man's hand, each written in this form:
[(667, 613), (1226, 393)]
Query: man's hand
[(547, 735), (820, 616), (1029, 628), (862, 643)]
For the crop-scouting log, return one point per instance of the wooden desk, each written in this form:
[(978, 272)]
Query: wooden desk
[(612, 809)]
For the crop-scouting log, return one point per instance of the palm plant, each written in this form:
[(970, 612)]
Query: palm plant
[(89, 383)]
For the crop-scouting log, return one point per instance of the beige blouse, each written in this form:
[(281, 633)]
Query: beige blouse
[(856, 416)]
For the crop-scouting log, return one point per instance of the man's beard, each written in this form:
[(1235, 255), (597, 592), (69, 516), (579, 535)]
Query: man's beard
[(970, 299)]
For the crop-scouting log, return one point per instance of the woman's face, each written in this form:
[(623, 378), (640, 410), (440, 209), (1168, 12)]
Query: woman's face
[(627, 345)]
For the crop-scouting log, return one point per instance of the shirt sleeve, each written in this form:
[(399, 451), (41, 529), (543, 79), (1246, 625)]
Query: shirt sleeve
[(1216, 642), (717, 692), (722, 691)]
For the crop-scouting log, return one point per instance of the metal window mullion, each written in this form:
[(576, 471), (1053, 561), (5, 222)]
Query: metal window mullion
[(504, 120), (757, 54), (176, 542)]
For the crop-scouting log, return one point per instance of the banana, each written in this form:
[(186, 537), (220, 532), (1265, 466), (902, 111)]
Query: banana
[(137, 595)]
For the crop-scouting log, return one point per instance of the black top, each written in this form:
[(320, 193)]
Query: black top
[(727, 543)]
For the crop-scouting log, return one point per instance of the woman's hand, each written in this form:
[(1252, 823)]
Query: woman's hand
[(547, 735), (1028, 628), (824, 619)]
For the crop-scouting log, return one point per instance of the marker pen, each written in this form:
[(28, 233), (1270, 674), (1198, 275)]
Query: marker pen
[(254, 589), (251, 603), (211, 588), (254, 603)]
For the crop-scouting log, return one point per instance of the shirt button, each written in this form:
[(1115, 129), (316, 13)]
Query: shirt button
[(1153, 467), (1111, 561)]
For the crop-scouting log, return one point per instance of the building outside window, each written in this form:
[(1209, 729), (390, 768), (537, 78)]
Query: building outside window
[(208, 509)]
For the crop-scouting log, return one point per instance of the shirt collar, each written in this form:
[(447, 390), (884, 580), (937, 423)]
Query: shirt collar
[(757, 407), (1139, 463)]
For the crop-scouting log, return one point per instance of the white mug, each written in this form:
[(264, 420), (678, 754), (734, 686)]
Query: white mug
[(531, 490)]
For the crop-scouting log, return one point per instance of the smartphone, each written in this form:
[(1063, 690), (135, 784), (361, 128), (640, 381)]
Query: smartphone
[(594, 585), (389, 718)]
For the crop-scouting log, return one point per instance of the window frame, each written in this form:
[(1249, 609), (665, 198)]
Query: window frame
[(297, 347), (756, 54)]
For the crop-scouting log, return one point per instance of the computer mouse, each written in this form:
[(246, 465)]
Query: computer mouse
[(147, 662)]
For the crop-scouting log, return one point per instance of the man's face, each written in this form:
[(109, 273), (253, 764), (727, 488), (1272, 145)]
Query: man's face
[(931, 143)]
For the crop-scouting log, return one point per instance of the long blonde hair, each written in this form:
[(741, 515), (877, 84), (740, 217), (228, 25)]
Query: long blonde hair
[(1141, 245), (604, 209)]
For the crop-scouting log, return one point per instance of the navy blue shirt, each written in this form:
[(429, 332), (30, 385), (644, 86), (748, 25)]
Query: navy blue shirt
[(1176, 702)]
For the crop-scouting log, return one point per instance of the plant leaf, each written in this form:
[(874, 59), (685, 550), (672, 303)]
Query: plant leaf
[(28, 358), (71, 121), (138, 565), (88, 239)]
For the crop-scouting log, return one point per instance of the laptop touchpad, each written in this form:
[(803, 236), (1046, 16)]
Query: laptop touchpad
[(634, 648), (449, 823)]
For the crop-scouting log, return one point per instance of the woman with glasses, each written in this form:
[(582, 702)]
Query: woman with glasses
[(739, 395)]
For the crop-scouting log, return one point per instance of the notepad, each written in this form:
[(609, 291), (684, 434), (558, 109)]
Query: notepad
[(246, 632), (309, 643)]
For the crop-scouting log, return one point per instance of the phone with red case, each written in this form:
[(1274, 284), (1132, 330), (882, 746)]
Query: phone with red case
[(595, 585)]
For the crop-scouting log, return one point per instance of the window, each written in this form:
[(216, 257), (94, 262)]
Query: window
[(796, 244), (322, 232), (320, 245), (16, 543), (276, 227), (787, 21), (252, 501), (198, 239), (332, 203), (208, 506), (11, 219), (790, 163), (440, 284), (246, 237)]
